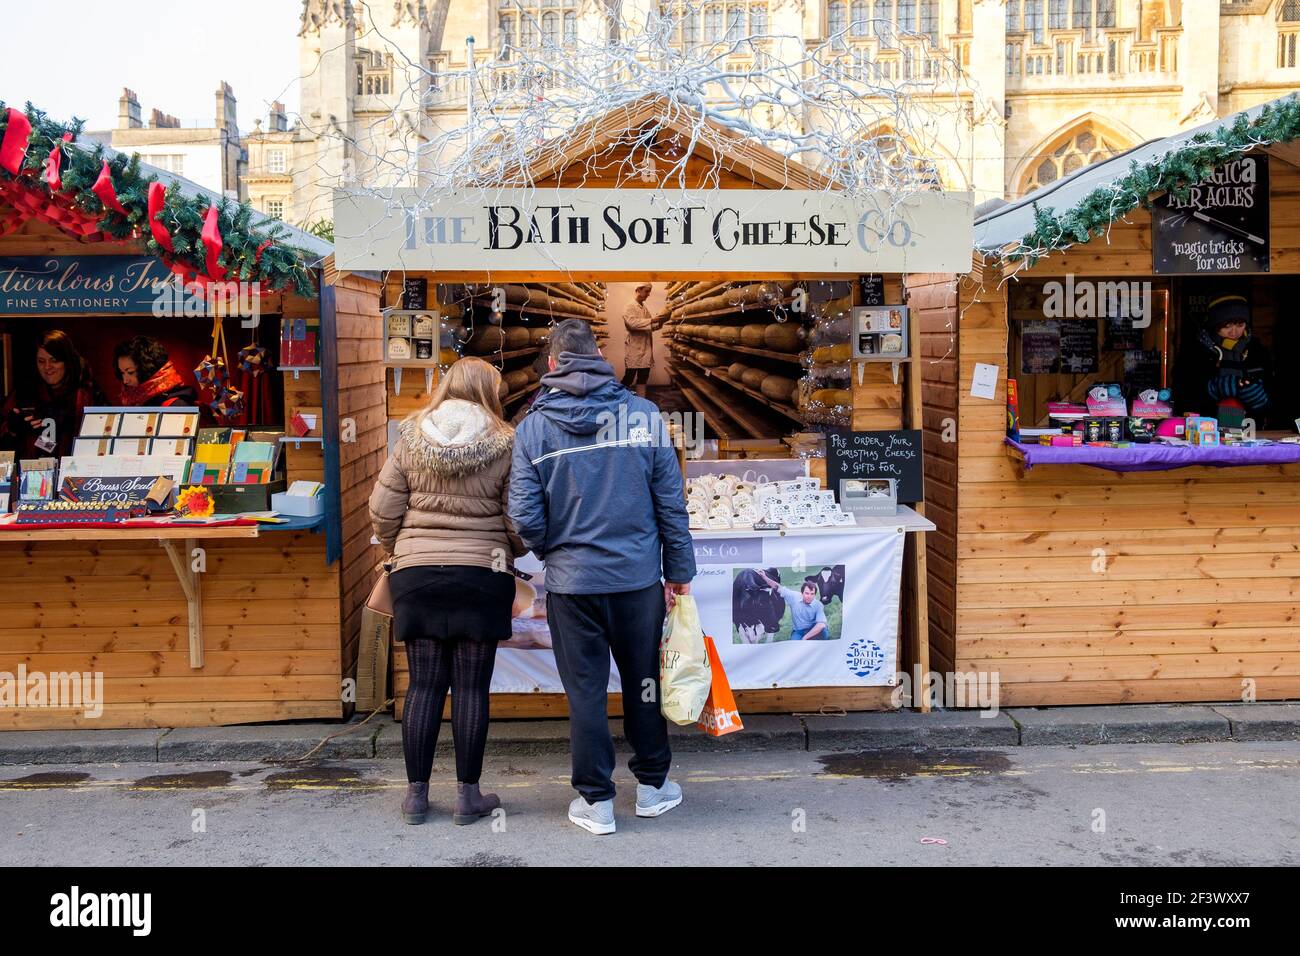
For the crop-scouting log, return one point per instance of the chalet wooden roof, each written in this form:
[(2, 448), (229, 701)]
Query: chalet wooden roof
[(722, 148)]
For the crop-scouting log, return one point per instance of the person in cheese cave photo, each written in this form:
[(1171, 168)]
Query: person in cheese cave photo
[(639, 346)]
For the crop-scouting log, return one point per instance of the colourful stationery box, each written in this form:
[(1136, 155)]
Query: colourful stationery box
[(232, 499)]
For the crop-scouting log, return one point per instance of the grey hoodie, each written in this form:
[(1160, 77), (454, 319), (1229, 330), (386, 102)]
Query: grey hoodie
[(595, 488)]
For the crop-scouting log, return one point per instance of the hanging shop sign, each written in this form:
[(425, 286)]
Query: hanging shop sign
[(611, 230), (1220, 228), (766, 637), (53, 285)]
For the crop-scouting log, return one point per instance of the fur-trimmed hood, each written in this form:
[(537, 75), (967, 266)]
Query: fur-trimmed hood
[(456, 438)]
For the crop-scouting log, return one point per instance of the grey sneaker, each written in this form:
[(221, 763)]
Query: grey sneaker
[(593, 817), (650, 802)]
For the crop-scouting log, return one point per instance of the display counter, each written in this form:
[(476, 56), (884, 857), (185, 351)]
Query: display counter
[(857, 574), (1154, 457)]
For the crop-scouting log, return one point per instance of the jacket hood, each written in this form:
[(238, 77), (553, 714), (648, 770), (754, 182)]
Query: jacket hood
[(578, 374), (456, 438), (581, 395)]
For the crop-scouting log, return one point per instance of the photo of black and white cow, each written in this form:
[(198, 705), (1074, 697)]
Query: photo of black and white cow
[(756, 608), (830, 583)]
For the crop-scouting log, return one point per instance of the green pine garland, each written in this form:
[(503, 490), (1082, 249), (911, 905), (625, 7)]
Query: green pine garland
[(1175, 172), (281, 265)]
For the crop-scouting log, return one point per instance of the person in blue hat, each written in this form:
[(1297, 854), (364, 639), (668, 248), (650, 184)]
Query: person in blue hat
[(1227, 372)]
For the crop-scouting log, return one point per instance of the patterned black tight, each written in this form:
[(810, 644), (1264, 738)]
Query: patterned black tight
[(465, 667)]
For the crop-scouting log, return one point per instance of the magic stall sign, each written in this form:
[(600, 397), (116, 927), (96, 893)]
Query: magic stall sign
[(53, 285), (742, 230)]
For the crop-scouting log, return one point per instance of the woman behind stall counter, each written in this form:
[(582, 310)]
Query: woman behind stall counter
[(148, 377), (64, 388), (439, 511)]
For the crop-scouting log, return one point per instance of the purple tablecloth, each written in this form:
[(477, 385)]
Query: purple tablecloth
[(1155, 457)]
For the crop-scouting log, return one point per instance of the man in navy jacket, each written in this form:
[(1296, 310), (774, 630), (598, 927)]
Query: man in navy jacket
[(596, 493)]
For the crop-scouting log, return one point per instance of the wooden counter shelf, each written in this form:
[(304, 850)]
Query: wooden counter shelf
[(550, 314), (129, 534), (515, 396), (790, 357), (787, 410), (168, 539), (752, 426), (753, 308), (502, 356)]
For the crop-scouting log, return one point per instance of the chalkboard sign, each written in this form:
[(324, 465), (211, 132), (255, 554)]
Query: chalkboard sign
[(893, 454), (415, 294), (1220, 228), (1078, 346), (872, 289)]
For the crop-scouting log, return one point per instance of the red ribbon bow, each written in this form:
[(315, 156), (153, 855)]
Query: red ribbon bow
[(211, 237), (157, 201), (52, 165), (103, 188), (14, 145)]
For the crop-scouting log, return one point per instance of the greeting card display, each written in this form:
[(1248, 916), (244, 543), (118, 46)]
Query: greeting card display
[(300, 342)]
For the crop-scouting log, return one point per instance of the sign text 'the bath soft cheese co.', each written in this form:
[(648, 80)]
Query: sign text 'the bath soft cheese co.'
[(611, 230)]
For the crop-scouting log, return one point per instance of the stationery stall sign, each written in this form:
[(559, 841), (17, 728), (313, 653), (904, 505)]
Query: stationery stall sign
[(133, 488), (1220, 228), (830, 621), (52, 285), (602, 230)]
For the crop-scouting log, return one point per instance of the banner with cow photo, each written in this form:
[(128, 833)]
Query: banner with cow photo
[(815, 608)]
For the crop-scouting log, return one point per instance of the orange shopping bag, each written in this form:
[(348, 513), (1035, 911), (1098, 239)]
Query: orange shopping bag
[(719, 715)]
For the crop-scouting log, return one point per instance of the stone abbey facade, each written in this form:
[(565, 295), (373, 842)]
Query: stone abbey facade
[(1004, 96)]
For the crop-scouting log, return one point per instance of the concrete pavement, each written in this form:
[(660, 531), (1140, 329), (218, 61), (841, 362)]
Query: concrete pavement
[(1219, 803), (381, 737)]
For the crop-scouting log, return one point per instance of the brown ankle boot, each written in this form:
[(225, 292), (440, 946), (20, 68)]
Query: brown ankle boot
[(416, 805), (470, 804)]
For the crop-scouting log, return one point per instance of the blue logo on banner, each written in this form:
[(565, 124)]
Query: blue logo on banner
[(865, 657)]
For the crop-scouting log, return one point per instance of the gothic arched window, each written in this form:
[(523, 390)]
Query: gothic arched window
[(1080, 148)]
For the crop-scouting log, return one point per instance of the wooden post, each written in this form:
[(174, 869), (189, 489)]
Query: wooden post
[(189, 581), (921, 612)]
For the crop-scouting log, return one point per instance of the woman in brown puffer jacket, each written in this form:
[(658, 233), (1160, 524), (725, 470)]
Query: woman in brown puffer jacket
[(439, 510)]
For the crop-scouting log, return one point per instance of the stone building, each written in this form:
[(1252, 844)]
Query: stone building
[(212, 156), (1005, 95)]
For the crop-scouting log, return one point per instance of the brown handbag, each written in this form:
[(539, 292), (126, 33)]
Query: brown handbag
[(381, 598)]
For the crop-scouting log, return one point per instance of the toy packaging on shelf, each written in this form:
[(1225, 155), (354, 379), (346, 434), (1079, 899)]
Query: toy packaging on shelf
[(1106, 400)]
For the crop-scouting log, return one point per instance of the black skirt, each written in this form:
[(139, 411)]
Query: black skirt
[(451, 603)]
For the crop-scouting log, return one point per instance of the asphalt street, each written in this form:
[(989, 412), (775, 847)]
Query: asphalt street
[(1226, 804)]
